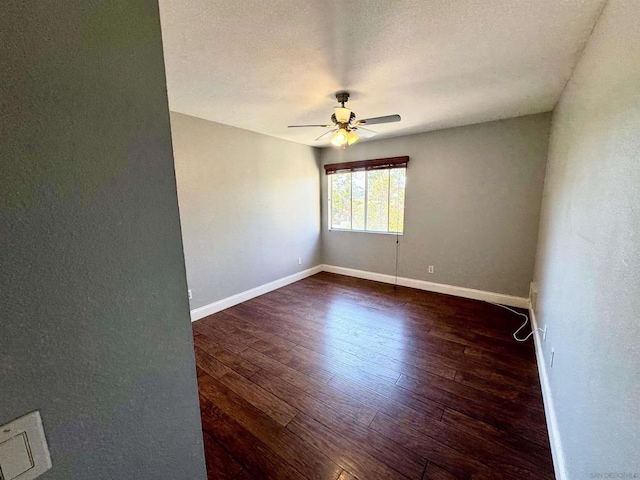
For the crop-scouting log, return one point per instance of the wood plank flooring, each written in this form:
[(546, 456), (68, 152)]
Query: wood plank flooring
[(337, 378)]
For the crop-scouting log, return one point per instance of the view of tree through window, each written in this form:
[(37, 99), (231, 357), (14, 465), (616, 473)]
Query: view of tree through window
[(371, 200)]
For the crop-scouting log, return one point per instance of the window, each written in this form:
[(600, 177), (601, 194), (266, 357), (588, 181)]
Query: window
[(367, 196)]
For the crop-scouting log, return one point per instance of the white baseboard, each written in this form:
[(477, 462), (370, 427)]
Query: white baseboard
[(492, 297), (510, 300), (557, 452), (210, 309)]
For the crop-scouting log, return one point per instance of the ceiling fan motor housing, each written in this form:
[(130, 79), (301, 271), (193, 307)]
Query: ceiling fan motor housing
[(336, 121), (343, 115)]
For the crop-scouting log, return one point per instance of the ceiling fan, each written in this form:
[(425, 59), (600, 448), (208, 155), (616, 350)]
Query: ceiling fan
[(345, 125)]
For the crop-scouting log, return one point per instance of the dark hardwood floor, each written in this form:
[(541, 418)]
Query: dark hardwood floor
[(334, 378)]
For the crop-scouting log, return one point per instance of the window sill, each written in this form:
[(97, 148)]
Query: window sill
[(399, 234)]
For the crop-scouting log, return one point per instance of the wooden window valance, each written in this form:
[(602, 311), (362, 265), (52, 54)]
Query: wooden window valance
[(374, 164)]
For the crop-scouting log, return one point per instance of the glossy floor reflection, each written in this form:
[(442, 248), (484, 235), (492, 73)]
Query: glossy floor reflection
[(335, 377)]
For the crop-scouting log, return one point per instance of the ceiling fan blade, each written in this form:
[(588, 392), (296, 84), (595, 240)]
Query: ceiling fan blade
[(364, 132), (376, 120), (299, 126), (326, 133)]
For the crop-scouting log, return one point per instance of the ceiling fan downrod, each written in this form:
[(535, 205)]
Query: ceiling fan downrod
[(342, 98)]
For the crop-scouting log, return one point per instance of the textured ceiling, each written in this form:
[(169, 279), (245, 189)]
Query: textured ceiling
[(262, 65)]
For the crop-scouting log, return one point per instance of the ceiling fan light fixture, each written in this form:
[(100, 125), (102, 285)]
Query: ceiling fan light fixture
[(352, 137), (340, 138)]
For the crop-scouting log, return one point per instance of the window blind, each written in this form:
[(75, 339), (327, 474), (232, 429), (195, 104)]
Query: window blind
[(374, 164)]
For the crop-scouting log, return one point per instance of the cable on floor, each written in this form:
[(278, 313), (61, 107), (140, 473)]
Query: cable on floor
[(526, 320)]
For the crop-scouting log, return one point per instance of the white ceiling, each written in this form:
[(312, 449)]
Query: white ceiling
[(265, 64)]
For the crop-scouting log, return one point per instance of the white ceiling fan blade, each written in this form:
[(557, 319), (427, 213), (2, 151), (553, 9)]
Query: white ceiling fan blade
[(376, 120), (326, 133), (364, 132), (302, 126)]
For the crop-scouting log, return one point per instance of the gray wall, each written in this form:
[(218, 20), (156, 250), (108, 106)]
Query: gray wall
[(588, 262), (249, 207), (94, 320), (471, 209)]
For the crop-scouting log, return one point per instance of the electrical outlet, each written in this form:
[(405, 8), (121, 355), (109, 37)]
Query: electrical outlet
[(190, 294), (431, 269), (299, 260)]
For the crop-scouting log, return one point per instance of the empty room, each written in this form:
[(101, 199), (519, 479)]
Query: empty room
[(320, 240)]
